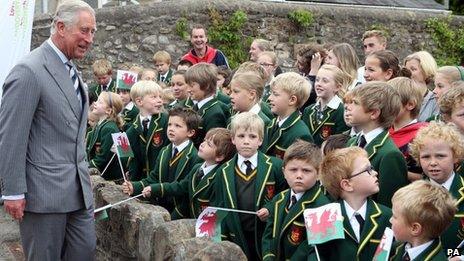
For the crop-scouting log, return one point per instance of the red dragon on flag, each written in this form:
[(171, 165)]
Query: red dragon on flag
[(209, 223), (323, 223)]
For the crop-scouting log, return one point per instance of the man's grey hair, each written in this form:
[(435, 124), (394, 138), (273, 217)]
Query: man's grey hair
[(67, 12)]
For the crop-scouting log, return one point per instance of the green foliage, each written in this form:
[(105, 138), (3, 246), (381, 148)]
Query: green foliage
[(301, 18), (449, 41), (182, 28), (457, 6), (228, 37)]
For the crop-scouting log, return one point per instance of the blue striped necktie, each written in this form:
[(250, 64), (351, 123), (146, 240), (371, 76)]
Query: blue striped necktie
[(74, 79)]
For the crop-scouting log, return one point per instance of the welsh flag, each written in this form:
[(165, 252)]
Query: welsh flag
[(124, 149), (209, 223), (383, 249), (324, 223), (125, 79)]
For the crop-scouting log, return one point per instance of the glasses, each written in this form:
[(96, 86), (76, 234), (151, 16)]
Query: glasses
[(266, 64), (369, 171)]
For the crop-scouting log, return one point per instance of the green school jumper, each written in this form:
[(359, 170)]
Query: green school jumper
[(266, 180), (146, 148), (170, 169), (389, 162), (99, 150), (285, 233), (377, 219), (280, 138), (326, 122)]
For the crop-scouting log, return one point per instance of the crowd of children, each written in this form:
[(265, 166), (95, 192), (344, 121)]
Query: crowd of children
[(384, 140)]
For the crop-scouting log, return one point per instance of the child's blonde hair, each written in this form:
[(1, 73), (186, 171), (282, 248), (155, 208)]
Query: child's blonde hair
[(409, 91), (142, 88), (426, 62), (377, 95), (102, 67), (249, 122), (452, 73), (347, 58), (253, 67), (263, 45), (114, 102), (270, 55), (145, 74), (450, 100), (340, 77), (162, 56), (438, 131), (305, 151), (205, 74), (430, 205), (167, 96), (249, 81), (293, 84), (337, 165)]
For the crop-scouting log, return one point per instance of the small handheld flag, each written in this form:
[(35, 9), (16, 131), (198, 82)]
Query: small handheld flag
[(383, 249), (324, 223), (209, 223), (125, 79), (123, 147)]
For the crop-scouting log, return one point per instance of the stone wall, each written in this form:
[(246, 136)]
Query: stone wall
[(140, 231), (131, 34)]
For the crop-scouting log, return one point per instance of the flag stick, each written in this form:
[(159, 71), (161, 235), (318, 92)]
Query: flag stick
[(122, 169), (235, 210), (317, 253), (107, 165), (461, 244), (115, 204)]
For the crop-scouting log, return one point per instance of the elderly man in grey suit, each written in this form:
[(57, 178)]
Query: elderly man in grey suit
[(43, 117)]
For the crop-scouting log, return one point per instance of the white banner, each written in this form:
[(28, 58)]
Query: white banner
[(16, 17)]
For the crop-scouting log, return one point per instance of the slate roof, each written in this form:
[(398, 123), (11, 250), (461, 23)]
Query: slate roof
[(420, 4)]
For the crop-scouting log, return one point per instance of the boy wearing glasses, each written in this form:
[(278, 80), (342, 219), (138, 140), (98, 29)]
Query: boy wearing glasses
[(372, 108), (349, 178)]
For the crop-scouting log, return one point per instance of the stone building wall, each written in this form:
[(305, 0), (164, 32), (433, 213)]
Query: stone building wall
[(131, 34)]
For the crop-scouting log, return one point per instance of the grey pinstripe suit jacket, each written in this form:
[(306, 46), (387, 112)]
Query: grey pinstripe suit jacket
[(42, 129)]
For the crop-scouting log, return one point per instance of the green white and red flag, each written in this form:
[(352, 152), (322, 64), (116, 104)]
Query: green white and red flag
[(383, 249), (125, 79), (209, 223), (324, 223), (123, 148)]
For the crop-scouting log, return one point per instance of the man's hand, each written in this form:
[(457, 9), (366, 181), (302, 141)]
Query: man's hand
[(127, 188), (15, 208)]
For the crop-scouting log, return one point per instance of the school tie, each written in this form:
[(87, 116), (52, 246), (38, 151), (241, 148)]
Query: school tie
[(406, 257), (145, 126), (319, 113), (195, 107), (75, 80), (174, 152), (292, 202), (199, 175), (249, 167), (162, 78), (274, 128), (362, 141), (360, 220)]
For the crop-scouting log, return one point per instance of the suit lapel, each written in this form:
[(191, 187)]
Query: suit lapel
[(164, 162), (376, 143), (228, 176), (372, 213), (292, 119), (346, 223), (279, 208), (204, 182), (183, 161), (151, 130), (207, 105), (313, 121), (264, 169), (457, 190)]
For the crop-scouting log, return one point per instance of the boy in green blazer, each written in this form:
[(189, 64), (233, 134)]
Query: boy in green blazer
[(348, 177), (325, 117), (289, 91), (284, 237), (130, 111), (421, 213), (199, 186), (247, 182), (179, 90), (372, 107), (174, 161), (202, 80), (438, 148), (103, 72), (162, 61), (147, 134)]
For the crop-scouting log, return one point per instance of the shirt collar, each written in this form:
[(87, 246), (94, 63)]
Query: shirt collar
[(370, 136), (63, 57), (253, 159), (414, 252), (350, 211), (129, 106), (204, 101), (182, 146), (333, 103), (143, 118), (447, 183), (255, 109), (297, 195), (281, 122), (108, 84), (207, 169), (164, 75), (353, 132)]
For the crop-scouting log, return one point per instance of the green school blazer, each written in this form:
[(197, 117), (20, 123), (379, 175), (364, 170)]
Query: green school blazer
[(96, 89), (146, 149), (280, 138), (269, 181), (99, 150), (129, 116), (389, 162), (331, 123), (377, 219), (200, 193), (213, 116), (434, 252), (285, 233), (179, 167), (167, 81)]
